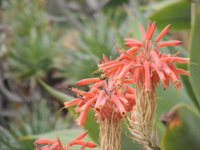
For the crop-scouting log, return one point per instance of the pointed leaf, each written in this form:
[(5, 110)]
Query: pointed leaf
[(54, 92), (193, 53), (177, 14)]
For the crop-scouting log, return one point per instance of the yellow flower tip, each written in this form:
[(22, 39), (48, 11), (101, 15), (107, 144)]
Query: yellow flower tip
[(192, 63), (191, 75), (158, 97), (63, 108), (97, 71), (163, 80)]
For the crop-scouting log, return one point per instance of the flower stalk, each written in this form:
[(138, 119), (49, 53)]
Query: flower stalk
[(142, 120), (110, 134)]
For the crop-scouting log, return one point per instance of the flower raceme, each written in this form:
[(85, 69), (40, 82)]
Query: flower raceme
[(54, 144), (104, 99), (111, 100), (149, 63)]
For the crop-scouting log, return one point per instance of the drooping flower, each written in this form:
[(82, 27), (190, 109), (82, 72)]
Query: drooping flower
[(55, 144)]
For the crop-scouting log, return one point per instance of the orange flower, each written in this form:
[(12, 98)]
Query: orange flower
[(105, 97), (101, 100), (54, 144)]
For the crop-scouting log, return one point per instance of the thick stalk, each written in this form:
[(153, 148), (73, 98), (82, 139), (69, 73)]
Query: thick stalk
[(110, 134), (143, 119)]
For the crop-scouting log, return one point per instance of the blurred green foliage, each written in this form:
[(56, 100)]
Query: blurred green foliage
[(23, 15), (32, 56), (32, 40), (89, 47), (183, 130), (32, 51), (36, 120)]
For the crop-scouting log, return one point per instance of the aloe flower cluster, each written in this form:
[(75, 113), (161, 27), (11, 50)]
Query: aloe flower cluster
[(53, 144), (111, 104), (113, 98)]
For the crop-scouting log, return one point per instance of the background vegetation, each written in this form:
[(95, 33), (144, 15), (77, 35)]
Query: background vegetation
[(48, 45)]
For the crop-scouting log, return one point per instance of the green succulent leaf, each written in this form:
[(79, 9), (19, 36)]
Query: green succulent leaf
[(33, 55), (193, 52), (57, 94), (182, 129), (177, 14), (30, 14), (39, 121)]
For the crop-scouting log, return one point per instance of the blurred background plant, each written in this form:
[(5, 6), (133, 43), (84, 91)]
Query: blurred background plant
[(47, 45)]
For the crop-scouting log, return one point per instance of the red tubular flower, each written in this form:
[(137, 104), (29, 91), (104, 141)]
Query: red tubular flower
[(130, 40), (156, 59), (86, 81), (78, 142), (147, 76), (131, 44), (162, 33), (54, 144), (45, 141), (169, 43), (143, 31), (149, 29), (105, 58), (119, 105), (152, 30), (182, 72), (82, 117)]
